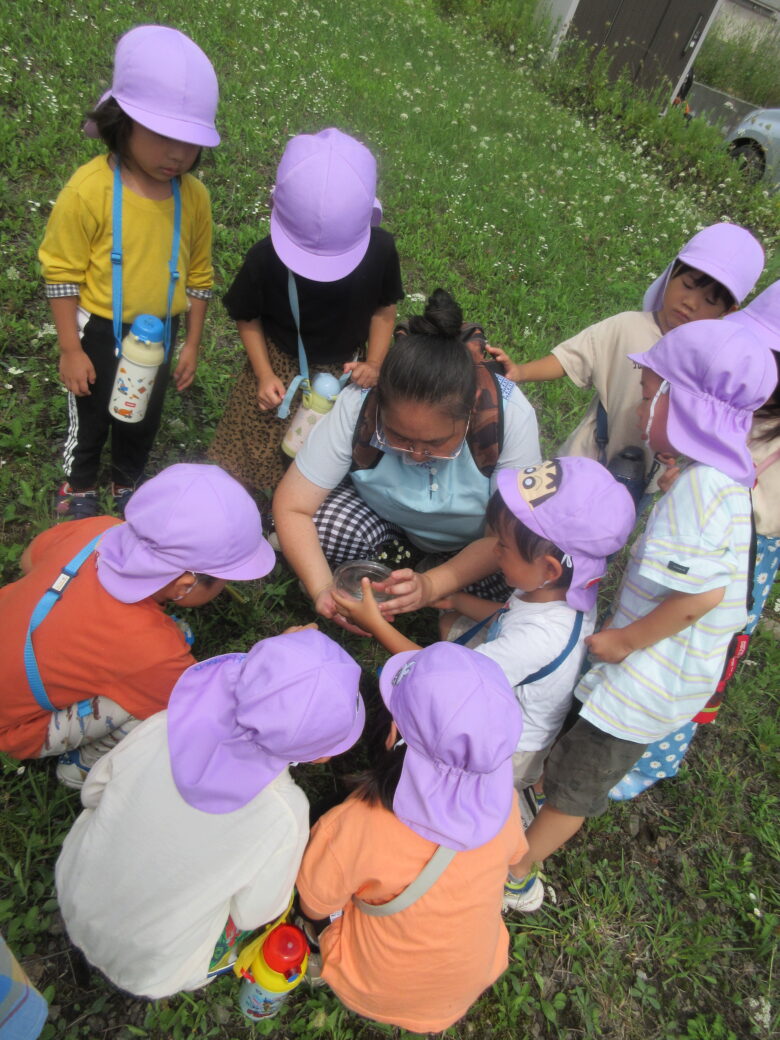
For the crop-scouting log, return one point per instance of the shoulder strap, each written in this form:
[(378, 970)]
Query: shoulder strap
[(42, 608), (602, 432), (365, 455), (427, 877), (546, 669), (469, 634), (303, 365)]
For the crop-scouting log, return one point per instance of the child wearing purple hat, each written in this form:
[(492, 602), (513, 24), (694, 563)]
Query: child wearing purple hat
[(555, 525), (130, 234), (410, 867), (662, 760), (710, 276), (193, 829), (683, 594), (326, 280), (81, 664)]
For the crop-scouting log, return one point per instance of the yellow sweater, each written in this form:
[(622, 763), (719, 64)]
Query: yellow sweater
[(76, 248)]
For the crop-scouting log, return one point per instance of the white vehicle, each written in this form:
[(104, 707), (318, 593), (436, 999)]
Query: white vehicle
[(755, 142)]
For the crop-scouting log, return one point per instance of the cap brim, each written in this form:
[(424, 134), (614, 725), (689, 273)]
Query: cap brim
[(260, 563), (318, 267), (176, 129)]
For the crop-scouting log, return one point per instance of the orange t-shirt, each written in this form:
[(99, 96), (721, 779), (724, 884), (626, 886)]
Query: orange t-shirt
[(89, 644), (424, 967)]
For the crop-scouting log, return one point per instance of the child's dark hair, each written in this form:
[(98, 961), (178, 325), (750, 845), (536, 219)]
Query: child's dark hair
[(704, 281), (431, 364), (529, 544), (770, 412), (114, 126), (376, 785)]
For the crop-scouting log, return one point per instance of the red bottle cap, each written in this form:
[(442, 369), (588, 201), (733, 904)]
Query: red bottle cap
[(284, 949)]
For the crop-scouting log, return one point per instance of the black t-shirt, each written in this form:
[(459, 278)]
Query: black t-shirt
[(335, 316)]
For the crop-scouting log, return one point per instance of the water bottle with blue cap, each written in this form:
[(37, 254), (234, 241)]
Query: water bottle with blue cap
[(139, 362), (318, 398)]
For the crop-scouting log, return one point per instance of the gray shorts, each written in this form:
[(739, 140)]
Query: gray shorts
[(584, 766)]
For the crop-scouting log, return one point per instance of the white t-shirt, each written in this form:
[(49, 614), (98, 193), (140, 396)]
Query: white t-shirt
[(596, 357), (530, 636), (697, 538), (146, 883)]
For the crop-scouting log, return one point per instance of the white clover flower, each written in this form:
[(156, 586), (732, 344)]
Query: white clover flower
[(12, 274)]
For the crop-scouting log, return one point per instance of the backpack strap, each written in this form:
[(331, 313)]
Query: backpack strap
[(427, 877), (485, 436), (42, 608), (469, 634), (602, 432), (556, 662)]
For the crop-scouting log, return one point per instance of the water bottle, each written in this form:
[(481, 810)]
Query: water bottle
[(137, 368), (317, 401), (272, 966)]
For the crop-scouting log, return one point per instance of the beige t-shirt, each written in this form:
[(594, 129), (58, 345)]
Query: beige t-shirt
[(596, 357), (766, 493)]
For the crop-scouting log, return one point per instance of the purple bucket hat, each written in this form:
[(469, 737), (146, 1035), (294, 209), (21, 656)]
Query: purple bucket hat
[(578, 505), (461, 724), (165, 82), (718, 375), (726, 252), (762, 316), (324, 205), (190, 517), (236, 721)]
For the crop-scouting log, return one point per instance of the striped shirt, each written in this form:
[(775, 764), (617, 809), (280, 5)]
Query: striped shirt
[(697, 539)]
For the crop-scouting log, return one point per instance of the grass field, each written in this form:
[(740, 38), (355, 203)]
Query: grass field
[(666, 923)]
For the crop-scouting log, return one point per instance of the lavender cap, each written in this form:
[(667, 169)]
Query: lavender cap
[(324, 205), (165, 82), (718, 375), (726, 252), (190, 517), (762, 316), (576, 504), (236, 721), (461, 723)]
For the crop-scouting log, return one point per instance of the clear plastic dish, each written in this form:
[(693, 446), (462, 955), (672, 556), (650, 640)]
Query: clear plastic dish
[(347, 577)]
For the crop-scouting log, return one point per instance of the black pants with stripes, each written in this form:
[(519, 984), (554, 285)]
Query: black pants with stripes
[(89, 421)]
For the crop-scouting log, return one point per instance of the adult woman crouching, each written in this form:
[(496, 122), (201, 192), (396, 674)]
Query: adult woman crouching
[(415, 457)]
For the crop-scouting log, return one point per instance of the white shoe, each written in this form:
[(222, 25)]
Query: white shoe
[(519, 899), (71, 771)]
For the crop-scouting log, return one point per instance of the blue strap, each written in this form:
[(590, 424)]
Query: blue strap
[(116, 260), (303, 365), (44, 605), (471, 632), (545, 670)]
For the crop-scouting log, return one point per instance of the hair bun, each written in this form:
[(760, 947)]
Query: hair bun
[(442, 317)]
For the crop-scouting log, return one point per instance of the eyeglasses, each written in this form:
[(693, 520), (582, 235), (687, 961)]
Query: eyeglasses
[(386, 445)]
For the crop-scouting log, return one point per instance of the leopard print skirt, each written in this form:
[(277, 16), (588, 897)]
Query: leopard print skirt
[(247, 441)]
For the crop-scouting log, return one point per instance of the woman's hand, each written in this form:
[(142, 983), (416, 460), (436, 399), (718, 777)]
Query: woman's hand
[(408, 589)]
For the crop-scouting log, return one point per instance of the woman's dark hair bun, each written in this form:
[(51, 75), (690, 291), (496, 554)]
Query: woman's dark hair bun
[(442, 317)]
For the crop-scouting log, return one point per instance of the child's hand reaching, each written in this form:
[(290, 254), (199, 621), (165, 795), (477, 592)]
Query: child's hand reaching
[(511, 368), (364, 612), (270, 392), (300, 628), (364, 373), (610, 645)]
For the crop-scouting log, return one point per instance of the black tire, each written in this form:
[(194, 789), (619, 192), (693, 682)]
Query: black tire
[(750, 156)]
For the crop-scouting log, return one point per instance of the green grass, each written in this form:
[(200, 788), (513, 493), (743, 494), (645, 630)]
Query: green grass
[(742, 60), (541, 217)]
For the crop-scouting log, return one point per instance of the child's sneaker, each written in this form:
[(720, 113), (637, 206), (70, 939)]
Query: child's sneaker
[(71, 771), (76, 505), (523, 896), (121, 496)]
